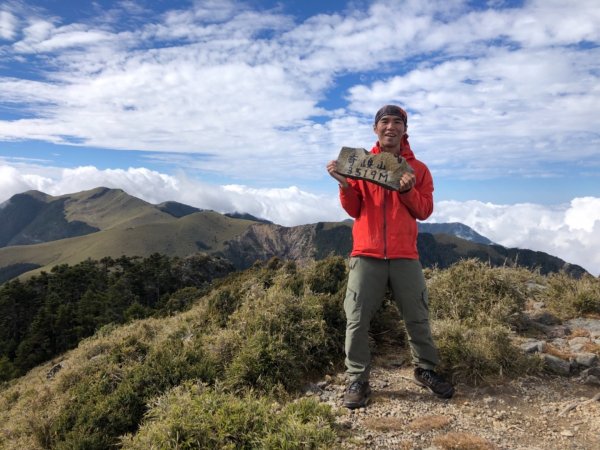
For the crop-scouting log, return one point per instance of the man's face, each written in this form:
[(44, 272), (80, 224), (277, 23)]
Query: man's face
[(389, 131)]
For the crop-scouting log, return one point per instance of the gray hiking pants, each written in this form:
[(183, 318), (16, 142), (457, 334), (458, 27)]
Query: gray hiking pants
[(367, 284)]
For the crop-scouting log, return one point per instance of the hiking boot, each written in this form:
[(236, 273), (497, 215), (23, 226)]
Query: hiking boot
[(435, 383), (357, 394)]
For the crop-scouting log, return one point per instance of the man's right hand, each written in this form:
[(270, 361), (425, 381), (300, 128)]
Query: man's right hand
[(332, 170)]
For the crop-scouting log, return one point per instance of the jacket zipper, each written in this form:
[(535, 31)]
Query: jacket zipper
[(384, 224)]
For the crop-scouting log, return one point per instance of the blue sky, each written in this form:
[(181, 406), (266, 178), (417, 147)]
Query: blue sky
[(232, 105)]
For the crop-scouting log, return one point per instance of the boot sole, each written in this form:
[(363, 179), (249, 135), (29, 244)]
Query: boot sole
[(446, 395), (355, 405)]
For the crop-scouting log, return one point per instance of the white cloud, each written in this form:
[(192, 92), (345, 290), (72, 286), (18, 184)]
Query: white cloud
[(37, 31), (13, 182), (8, 25), (284, 206), (570, 231), (223, 79), (583, 214), (42, 36), (507, 113)]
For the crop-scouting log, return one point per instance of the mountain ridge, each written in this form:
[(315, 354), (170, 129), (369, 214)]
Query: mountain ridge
[(40, 231), (454, 229)]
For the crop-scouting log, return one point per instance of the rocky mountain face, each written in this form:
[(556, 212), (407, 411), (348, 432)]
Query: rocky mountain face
[(301, 243), (443, 250), (264, 241), (454, 229), (112, 221), (316, 241)]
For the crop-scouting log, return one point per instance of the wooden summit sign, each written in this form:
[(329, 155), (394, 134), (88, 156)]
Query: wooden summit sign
[(383, 168)]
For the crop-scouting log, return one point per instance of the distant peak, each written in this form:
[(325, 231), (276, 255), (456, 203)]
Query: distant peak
[(103, 190), (96, 193), (246, 216), (177, 209), (38, 195)]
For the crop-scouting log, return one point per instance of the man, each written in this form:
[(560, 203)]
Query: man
[(384, 252)]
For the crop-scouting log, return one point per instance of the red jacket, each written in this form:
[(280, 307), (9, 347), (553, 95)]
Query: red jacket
[(386, 225)]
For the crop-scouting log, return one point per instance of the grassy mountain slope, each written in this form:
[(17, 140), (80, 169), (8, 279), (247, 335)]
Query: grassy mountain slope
[(206, 231), (18, 212), (177, 209), (231, 371), (237, 352), (106, 208), (34, 217)]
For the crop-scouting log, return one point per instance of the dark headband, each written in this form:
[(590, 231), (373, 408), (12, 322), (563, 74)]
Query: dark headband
[(391, 110)]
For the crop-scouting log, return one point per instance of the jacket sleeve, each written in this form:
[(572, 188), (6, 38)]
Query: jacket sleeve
[(419, 200), (351, 198)]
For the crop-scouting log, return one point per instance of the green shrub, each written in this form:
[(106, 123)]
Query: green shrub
[(250, 333), (7, 369), (587, 303), (112, 399), (473, 308), (180, 300), (280, 339), (476, 354), (196, 417), (568, 297), (222, 303), (474, 292), (387, 328), (327, 276)]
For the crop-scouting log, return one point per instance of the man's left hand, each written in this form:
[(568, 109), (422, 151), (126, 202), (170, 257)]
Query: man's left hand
[(407, 182)]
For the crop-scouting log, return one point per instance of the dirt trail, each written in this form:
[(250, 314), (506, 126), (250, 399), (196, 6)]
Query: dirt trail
[(532, 413)]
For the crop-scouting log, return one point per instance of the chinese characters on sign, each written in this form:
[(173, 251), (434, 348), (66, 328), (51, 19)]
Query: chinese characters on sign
[(384, 169)]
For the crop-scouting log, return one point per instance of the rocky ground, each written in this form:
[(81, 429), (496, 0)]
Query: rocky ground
[(549, 411), (531, 413)]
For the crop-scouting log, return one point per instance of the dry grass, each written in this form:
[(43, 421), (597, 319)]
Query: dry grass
[(592, 347), (422, 424), (474, 292), (567, 297), (428, 423), (462, 441), (405, 445), (579, 332), (385, 424), (480, 354), (554, 351)]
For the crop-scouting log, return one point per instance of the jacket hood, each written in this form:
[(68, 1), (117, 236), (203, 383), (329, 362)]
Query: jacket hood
[(405, 150)]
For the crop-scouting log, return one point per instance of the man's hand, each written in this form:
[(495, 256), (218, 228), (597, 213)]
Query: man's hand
[(331, 169), (407, 182)]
